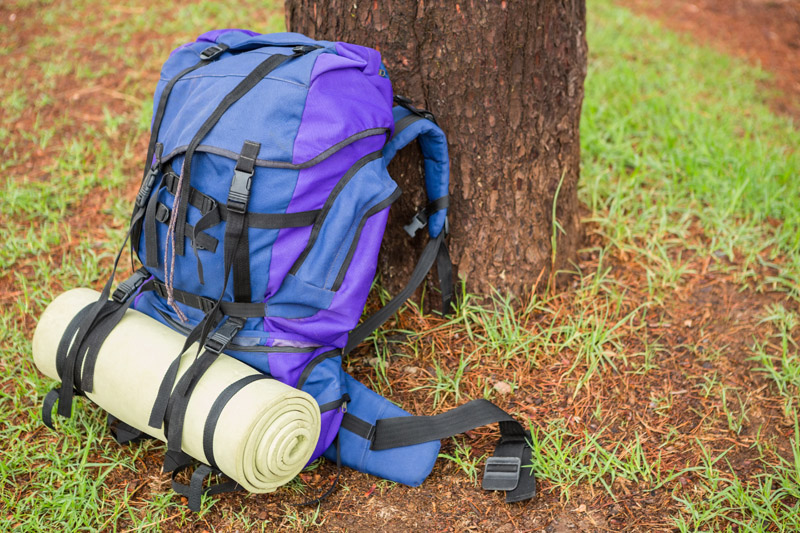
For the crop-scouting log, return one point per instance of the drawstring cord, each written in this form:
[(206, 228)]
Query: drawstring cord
[(169, 263)]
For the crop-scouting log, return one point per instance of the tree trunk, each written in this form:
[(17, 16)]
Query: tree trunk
[(505, 81)]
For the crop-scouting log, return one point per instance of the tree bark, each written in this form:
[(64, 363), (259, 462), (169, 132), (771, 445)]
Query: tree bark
[(505, 81)]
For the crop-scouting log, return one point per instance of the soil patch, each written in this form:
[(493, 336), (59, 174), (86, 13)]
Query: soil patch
[(765, 32)]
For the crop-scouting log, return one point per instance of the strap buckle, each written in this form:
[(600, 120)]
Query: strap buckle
[(162, 213), (171, 181), (209, 204), (213, 51), (424, 113), (419, 221), (160, 289), (149, 181), (126, 288), (239, 193), (206, 304), (501, 473), (302, 49), (224, 335), (146, 188)]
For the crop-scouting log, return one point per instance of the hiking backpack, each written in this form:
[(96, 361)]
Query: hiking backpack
[(258, 224)]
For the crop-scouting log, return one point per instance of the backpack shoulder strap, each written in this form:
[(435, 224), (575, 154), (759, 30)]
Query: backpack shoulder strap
[(510, 467), (410, 124)]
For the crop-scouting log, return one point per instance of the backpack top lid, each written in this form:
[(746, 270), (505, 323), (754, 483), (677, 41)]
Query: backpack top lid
[(297, 112)]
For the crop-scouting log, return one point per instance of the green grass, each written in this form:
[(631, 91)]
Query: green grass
[(673, 135), (779, 355), (729, 503)]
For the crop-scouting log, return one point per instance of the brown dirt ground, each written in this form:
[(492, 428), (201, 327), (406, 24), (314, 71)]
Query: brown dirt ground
[(765, 32), (706, 314)]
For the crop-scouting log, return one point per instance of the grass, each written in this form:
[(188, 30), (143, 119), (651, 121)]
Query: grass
[(636, 398), (779, 355), (673, 145)]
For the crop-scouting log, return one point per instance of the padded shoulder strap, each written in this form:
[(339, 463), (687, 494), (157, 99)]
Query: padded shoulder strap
[(509, 468), (409, 124)]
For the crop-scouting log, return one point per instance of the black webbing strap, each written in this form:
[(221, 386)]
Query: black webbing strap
[(68, 336), (405, 122), (49, 402), (360, 427), (158, 412), (236, 232), (179, 399), (66, 393), (508, 469), (409, 430), (173, 404), (196, 233), (422, 113), (96, 337), (207, 56), (85, 344), (150, 231), (200, 240), (143, 197), (250, 81), (109, 315), (444, 269), (205, 304), (214, 213), (194, 491), (335, 483), (426, 260), (124, 433), (216, 410), (204, 203)]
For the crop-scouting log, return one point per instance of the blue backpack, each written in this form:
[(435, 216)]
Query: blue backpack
[(258, 223)]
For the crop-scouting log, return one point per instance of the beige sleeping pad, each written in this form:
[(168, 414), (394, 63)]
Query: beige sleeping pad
[(265, 434)]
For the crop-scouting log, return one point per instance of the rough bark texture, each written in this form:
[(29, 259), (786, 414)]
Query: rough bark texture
[(505, 81)]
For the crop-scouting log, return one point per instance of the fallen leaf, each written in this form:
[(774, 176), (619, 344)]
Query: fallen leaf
[(502, 387)]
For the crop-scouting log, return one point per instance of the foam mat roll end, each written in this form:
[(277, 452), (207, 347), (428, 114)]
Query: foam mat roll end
[(265, 433)]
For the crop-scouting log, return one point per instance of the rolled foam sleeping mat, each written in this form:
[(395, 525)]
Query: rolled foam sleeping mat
[(265, 433)]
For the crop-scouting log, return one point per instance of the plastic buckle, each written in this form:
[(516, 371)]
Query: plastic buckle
[(502, 473), (162, 213), (146, 188), (424, 113), (206, 304), (213, 51), (301, 49), (130, 286), (419, 221), (171, 181), (209, 204), (239, 192), (224, 335), (160, 289)]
